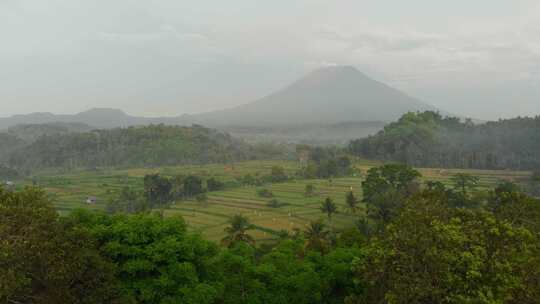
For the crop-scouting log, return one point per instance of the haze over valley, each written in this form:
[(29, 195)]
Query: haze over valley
[(336, 103), (270, 152)]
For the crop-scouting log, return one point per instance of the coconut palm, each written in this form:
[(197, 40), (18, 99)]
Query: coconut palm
[(316, 237), (352, 202), (237, 231), (329, 207)]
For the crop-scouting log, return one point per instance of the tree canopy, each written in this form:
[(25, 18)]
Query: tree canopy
[(428, 139), (154, 145), (420, 246)]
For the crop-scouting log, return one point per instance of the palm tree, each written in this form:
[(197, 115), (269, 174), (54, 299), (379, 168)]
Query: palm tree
[(464, 182), (329, 207), (352, 202), (237, 231), (316, 237)]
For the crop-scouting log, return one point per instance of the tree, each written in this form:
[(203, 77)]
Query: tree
[(201, 198), (317, 237), (328, 168), (434, 253), (310, 171), (155, 259), (44, 259), (510, 205), (383, 207), (129, 201), (329, 207), (464, 183), (214, 184), (318, 154), (157, 189), (427, 139), (274, 203), (265, 193), (278, 174), (237, 231), (178, 191), (154, 145), (309, 190), (344, 165), (235, 268), (193, 185), (504, 194), (386, 188), (352, 201), (435, 186), (398, 177), (250, 180)]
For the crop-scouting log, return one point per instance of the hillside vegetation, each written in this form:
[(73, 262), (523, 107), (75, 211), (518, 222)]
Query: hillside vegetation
[(427, 139), (9, 143), (31, 132), (154, 145), (18, 136)]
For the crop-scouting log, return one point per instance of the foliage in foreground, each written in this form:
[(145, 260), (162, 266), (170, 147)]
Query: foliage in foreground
[(434, 253), (45, 259), (431, 248)]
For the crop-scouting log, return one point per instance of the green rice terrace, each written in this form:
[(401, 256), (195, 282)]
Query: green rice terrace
[(71, 190)]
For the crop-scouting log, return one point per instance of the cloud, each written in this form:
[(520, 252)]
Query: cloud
[(166, 31), (420, 55), (414, 45)]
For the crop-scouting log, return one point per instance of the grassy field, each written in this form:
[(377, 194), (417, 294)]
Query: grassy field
[(70, 190)]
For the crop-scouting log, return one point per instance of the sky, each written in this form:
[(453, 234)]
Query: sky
[(475, 58)]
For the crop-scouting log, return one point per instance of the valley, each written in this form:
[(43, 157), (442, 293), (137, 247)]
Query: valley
[(70, 191), (270, 152)]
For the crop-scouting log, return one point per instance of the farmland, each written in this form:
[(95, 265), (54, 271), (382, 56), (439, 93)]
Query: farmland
[(70, 190)]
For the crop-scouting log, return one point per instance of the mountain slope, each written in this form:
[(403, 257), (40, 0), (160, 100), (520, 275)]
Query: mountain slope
[(327, 95)]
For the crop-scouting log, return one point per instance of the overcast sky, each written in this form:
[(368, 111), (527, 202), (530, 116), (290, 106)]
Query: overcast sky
[(478, 58)]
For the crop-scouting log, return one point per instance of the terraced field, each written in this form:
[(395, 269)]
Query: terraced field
[(210, 218), (69, 191)]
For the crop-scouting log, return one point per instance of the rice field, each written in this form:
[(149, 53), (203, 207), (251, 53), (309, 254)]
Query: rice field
[(69, 191)]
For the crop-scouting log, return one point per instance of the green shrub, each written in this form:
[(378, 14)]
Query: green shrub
[(265, 193), (214, 185), (274, 203), (201, 198), (309, 191)]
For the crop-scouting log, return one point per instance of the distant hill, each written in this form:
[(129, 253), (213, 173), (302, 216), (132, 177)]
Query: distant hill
[(98, 118), (326, 96), (320, 100), (20, 136), (154, 145), (430, 140)]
